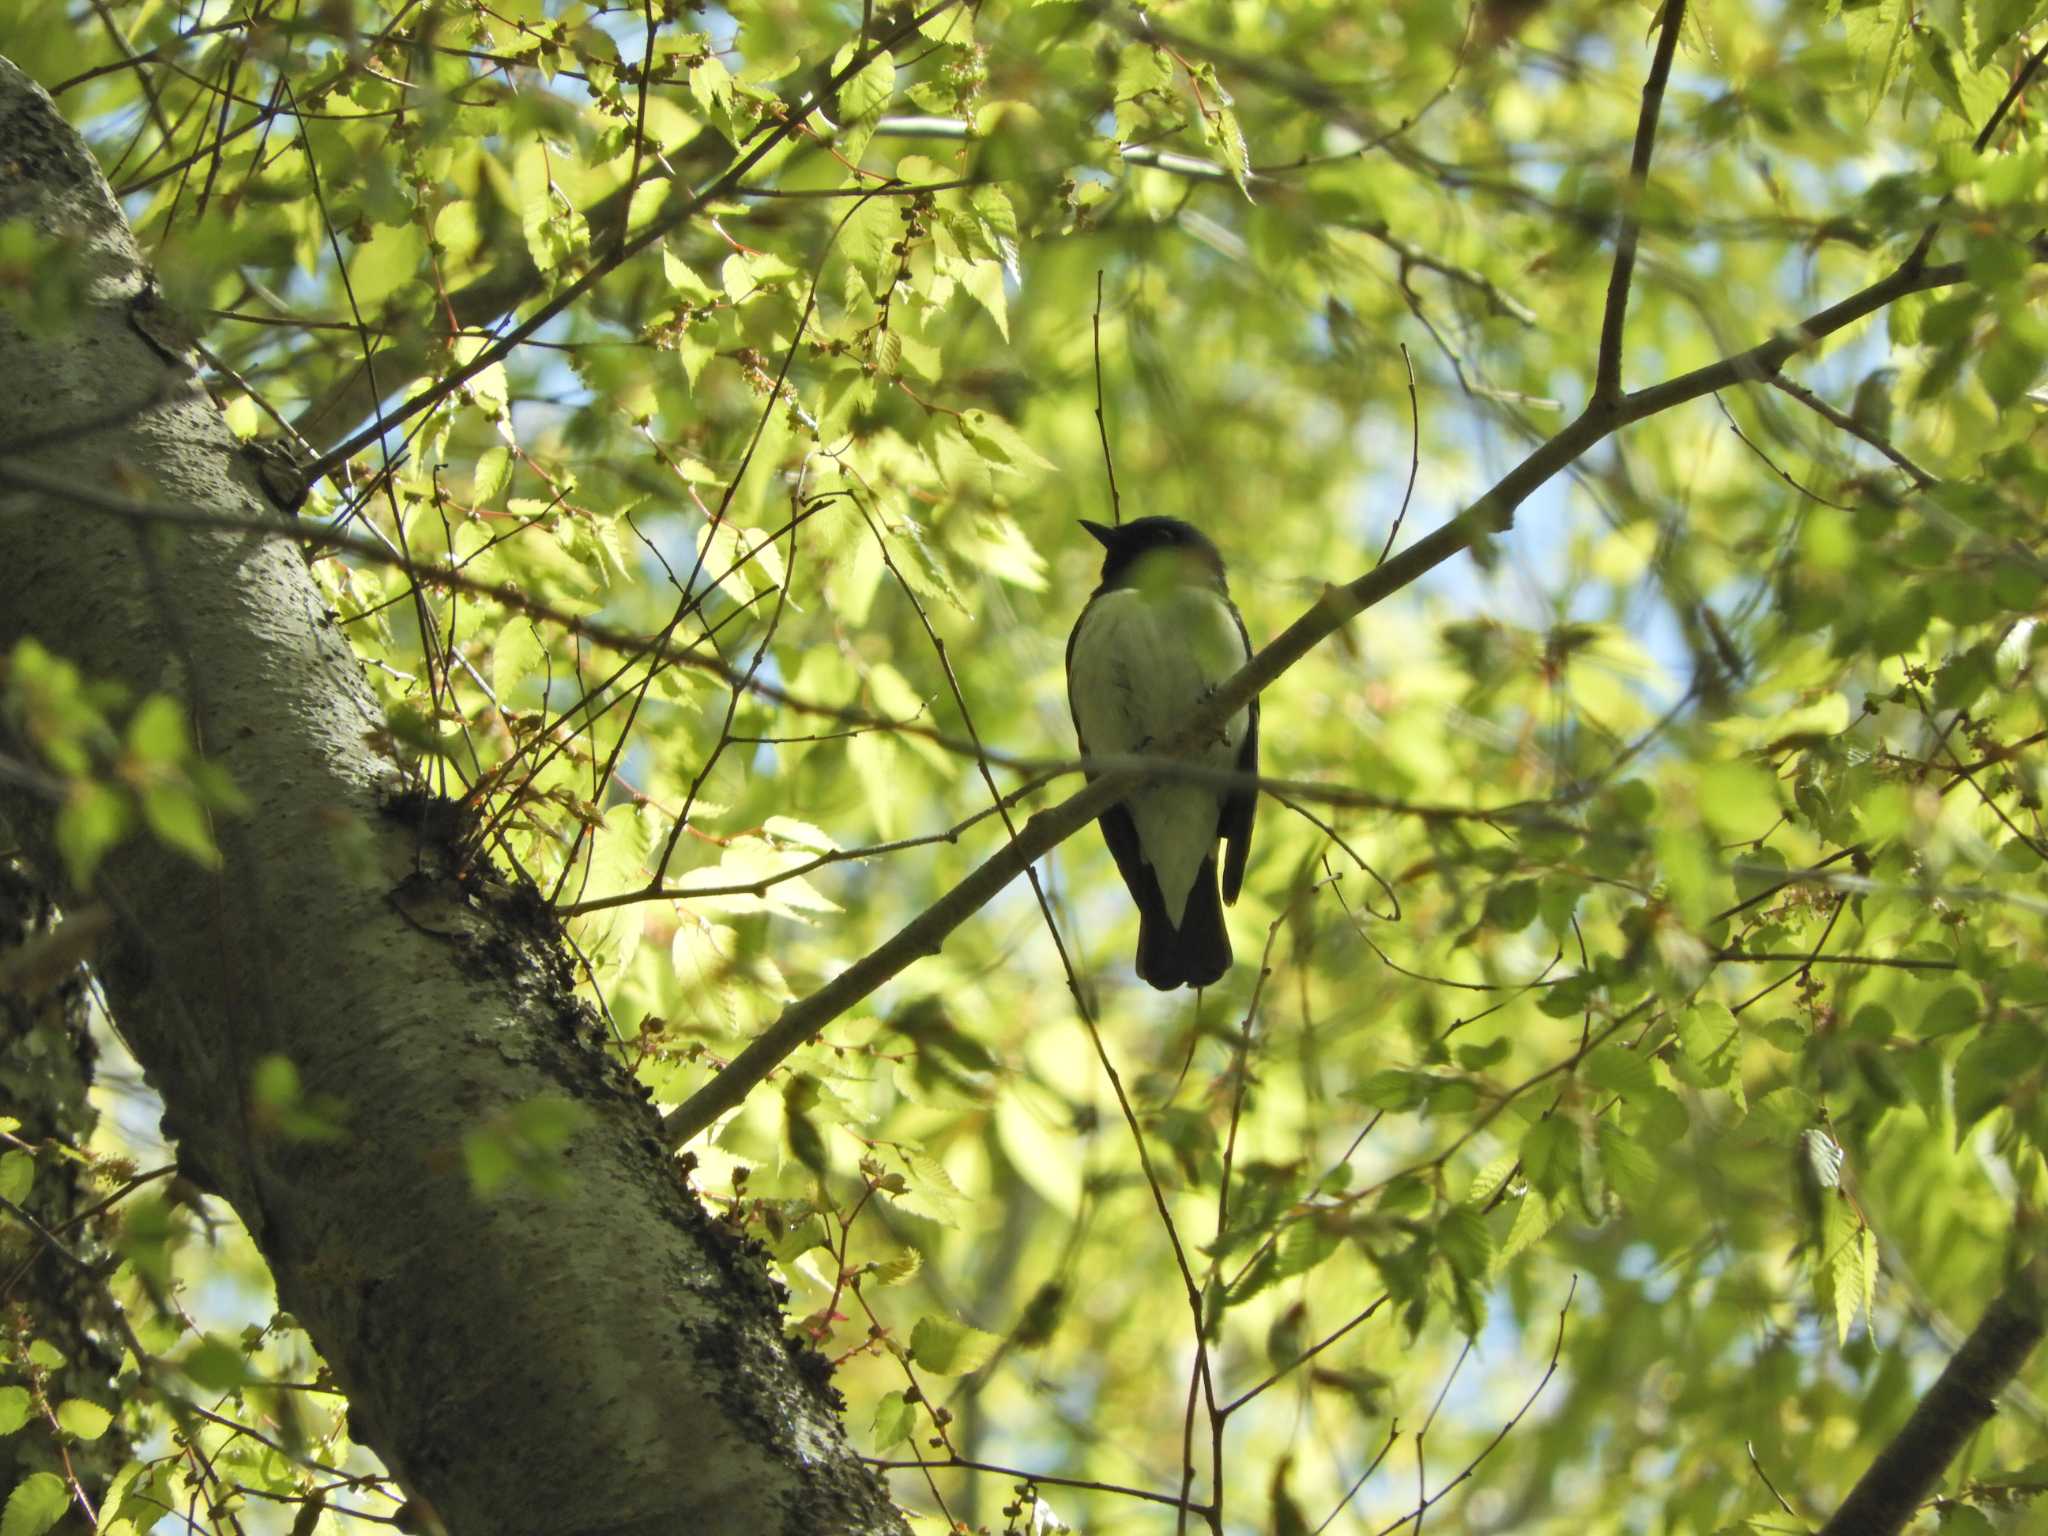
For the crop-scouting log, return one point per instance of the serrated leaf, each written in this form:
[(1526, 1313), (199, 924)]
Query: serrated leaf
[(492, 474), (703, 955), (984, 281), (14, 1409), (34, 1506), (1958, 1519), (1632, 1168), (517, 658), (897, 1270), (999, 219), (1489, 1179), (1780, 1116), (869, 238), (1550, 1153), (1849, 1277), (1534, 1216), (1620, 1071), (1303, 1245), (1229, 138), (1000, 443), (1837, 1285), (1706, 1033), (799, 834), (1463, 1239)]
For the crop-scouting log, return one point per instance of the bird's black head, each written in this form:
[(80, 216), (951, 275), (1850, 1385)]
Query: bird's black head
[(1125, 544)]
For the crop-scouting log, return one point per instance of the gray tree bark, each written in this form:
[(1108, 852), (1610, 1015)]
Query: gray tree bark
[(610, 1359)]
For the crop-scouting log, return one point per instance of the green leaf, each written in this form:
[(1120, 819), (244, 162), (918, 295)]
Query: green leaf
[(92, 819), (215, 1365), (17, 1175), (1620, 1071), (947, 1348), (868, 90), (385, 263), (1481, 1055), (82, 1419), (1707, 1034), (895, 1421), (1632, 1168), (35, 1505), (1511, 907), (1957, 1519), (1463, 1239), (1899, 623), (14, 1409), (177, 818), (1534, 1216), (1851, 1265), (1550, 1153), (1000, 443), (1954, 1008), (1303, 1245)]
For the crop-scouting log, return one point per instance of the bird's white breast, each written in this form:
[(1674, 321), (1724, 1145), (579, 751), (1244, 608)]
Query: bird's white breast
[(1143, 659)]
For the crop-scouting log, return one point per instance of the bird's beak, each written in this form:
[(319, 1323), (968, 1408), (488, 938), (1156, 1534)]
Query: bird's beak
[(1102, 533)]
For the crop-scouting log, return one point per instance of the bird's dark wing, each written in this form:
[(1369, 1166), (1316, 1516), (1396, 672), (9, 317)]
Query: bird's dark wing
[(1159, 943), (1241, 804), (1198, 953)]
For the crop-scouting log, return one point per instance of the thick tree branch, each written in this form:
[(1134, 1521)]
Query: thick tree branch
[(1961, 1402), (459, 1323)]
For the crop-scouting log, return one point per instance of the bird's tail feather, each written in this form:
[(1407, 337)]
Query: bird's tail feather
[(1195, 954)]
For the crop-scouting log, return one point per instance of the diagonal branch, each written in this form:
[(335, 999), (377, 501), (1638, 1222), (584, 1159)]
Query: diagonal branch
[(1856, 429), (1491, 514), (1607, 372), (1961, 1402)]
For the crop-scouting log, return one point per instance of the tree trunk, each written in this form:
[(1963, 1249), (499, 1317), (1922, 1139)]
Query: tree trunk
[(604, 1357)]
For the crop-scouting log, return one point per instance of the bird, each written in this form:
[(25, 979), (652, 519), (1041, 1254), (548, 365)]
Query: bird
[(1152, 642)]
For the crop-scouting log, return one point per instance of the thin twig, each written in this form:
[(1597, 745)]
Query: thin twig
[(1414, 456), (1556, 1354), (1771, 464), (1116, 504), (1765, 1477), (1849, 424), (962, 1464)]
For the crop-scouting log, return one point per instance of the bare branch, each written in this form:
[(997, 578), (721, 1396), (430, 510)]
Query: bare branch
[(1960, 1403), (1853, 427), (1607, 372)]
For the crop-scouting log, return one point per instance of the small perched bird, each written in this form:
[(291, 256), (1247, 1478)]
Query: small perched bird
[(1156, 637)]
